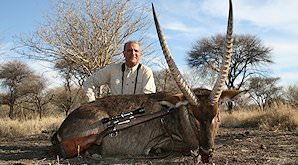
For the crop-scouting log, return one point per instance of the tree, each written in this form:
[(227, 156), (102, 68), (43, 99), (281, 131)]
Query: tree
[(81, 36), (66, 101), (19, 81), (69, 96), (249, 55), (85, 35), (35, 98), (291, 94), (195, 79), (164, 81), (263, 90)]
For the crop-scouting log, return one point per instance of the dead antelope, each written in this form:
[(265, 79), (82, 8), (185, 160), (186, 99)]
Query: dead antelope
[(182, 122)]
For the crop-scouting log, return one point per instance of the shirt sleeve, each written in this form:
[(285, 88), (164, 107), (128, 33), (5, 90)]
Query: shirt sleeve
[(148, 82), (100, 77)]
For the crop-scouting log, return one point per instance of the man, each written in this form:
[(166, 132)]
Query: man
[(128, 78)]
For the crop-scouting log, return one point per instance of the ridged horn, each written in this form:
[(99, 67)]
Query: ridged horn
[(187, 92), (226, 61)]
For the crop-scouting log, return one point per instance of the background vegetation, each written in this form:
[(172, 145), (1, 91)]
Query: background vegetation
[(83, 35), (279, 118)]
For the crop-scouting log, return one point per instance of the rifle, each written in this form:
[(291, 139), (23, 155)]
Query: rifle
[(123, 115), (74, 147)]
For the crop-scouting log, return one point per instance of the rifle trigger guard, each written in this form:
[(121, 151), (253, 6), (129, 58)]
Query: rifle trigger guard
[(114, 134)]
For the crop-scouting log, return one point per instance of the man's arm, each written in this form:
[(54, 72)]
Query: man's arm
[(148, 82)]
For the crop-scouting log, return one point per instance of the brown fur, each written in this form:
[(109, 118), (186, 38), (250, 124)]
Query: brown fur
[(182, 130)]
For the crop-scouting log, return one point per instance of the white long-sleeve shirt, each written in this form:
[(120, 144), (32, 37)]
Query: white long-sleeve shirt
[(112, 76)]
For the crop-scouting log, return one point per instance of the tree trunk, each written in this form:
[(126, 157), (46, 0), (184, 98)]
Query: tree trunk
[(11, 112), (230, 107)]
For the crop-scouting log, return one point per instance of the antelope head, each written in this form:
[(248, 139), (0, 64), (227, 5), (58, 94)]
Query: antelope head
[(205, 110)]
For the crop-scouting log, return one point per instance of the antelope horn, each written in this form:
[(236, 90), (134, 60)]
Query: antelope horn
[(187, 92), (226, 61)]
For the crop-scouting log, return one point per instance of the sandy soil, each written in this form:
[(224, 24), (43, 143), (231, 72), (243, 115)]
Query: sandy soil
[(233, 146)]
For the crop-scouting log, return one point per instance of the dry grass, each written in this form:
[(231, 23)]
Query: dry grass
[(16, 128), (279, 118)]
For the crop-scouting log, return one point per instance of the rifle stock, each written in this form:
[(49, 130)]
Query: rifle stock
[(74, 147)]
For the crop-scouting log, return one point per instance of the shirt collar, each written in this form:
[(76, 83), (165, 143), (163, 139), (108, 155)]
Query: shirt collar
[(133, 68)]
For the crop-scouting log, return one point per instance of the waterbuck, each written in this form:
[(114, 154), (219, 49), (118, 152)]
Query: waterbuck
[(182, 122)]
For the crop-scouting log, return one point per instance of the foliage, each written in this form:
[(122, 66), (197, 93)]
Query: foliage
[(20, 83), (65, 100), (292, 95), (263, 90), (249, 54), (80, 36), (164, 81), (83, 35)]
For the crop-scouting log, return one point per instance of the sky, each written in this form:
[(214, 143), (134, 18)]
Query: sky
[(275, 22)]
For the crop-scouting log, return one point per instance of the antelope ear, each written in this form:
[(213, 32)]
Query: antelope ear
[(231, 95), (174, 101)]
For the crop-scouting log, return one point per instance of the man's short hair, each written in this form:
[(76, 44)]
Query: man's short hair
[(130, 42)]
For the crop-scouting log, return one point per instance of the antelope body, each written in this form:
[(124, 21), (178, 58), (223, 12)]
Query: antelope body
[(192, 126)]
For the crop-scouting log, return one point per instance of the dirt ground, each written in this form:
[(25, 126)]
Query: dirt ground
[(233, 146)]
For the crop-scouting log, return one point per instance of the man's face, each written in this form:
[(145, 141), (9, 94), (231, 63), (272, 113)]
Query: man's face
[(132, 54)]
